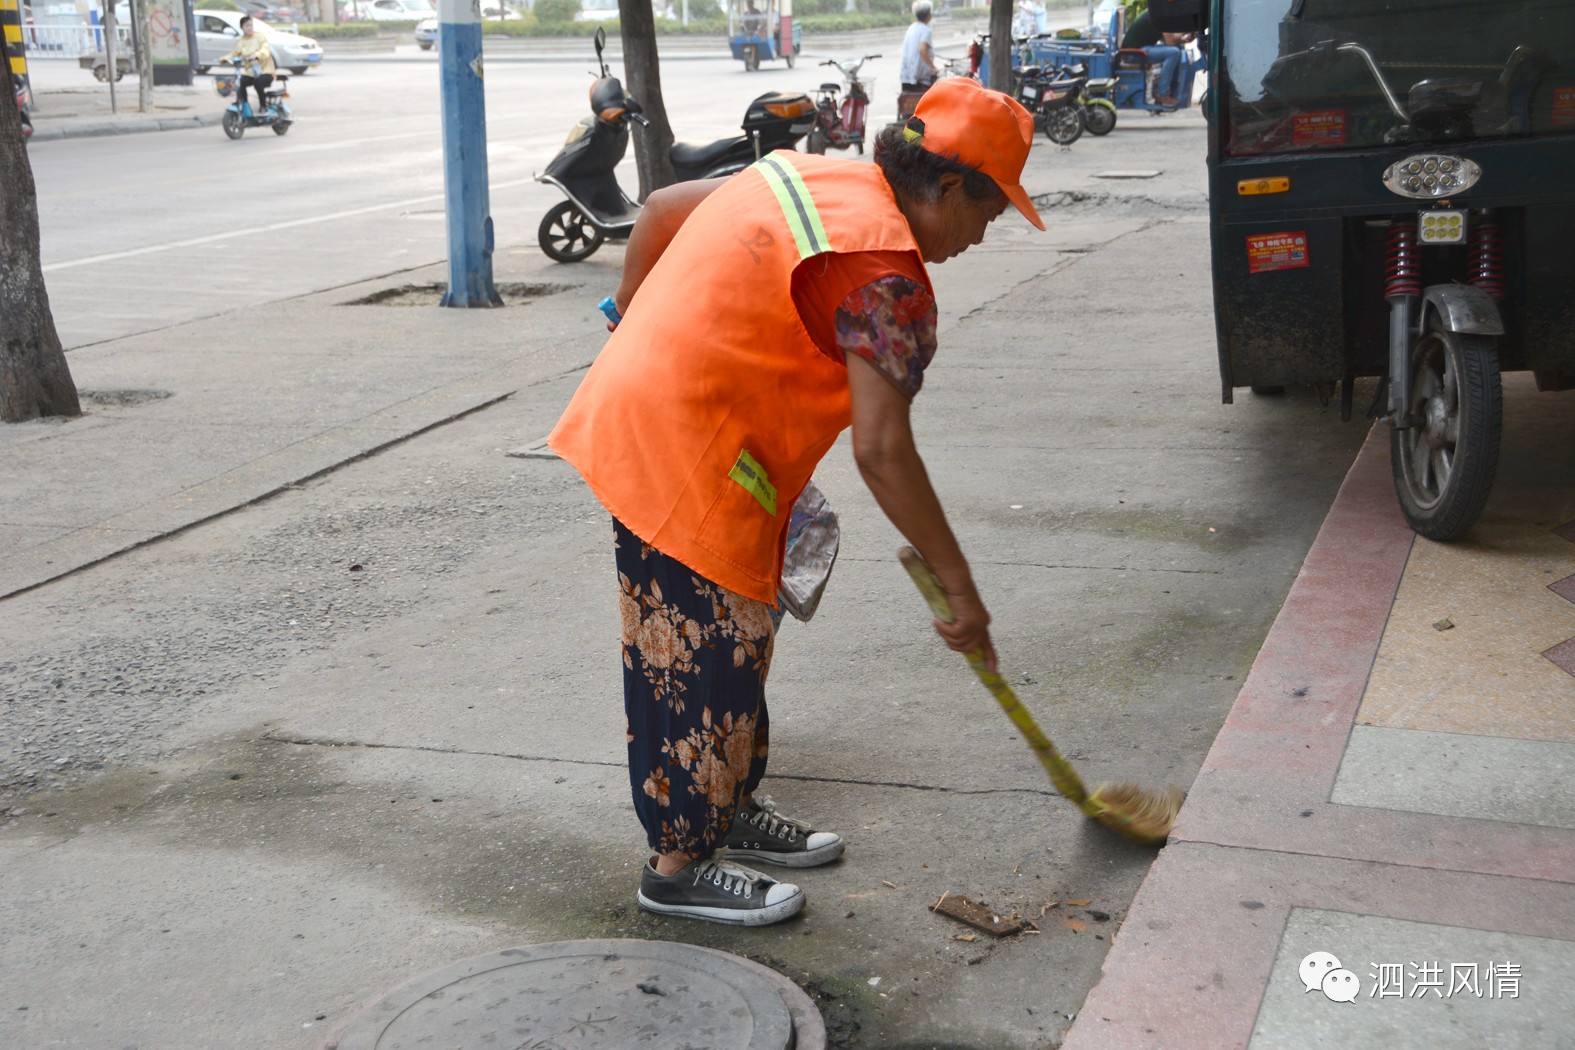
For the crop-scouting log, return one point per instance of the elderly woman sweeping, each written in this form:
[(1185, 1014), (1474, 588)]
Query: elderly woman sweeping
[(762, 315)]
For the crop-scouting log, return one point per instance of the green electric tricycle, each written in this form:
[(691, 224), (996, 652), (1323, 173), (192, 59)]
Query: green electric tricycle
[(1392, 194)]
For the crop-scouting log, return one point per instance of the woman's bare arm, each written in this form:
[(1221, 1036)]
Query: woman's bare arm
[(889, 462), (664, 212)]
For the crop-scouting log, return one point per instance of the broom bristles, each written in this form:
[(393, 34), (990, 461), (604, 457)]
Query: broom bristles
[(1139, 813)]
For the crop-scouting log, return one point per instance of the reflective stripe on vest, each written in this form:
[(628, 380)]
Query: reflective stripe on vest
[(704, 416), (798, 207)]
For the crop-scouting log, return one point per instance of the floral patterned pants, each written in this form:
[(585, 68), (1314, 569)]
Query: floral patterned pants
[(695, 658)]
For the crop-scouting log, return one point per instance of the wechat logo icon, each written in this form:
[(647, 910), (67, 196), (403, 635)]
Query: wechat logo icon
[(1321, 971)]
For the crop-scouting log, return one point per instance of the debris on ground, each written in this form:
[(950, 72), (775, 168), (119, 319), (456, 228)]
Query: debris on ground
[(978, 916)]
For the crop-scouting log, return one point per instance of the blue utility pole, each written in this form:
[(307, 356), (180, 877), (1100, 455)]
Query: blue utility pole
[(465, 156)]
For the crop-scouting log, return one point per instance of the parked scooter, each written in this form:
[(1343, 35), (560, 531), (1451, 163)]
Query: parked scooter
[(1099, 108), (238, 115), (598, 209), (1055, 101), (840, 126)]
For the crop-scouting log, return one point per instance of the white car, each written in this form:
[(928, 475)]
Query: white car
[(394, 10), (217, 32)]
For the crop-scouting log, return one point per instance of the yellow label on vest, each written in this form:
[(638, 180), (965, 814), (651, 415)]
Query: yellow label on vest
[(752, 476)]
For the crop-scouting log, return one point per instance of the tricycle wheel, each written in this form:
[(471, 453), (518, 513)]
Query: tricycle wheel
[(234, 124), (1100, 117), (1063, 125), (1444, 465), (751, 58), (789, 57), (566, 235)]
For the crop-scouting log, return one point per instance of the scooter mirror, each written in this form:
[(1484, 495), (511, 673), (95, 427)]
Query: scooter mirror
[(601, 42)]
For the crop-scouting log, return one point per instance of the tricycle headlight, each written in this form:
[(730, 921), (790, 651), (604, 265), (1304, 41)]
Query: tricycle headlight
[(1442, 227), (1429, 176)]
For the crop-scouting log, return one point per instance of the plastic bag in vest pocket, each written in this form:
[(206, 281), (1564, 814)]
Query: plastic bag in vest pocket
[(812, 541)]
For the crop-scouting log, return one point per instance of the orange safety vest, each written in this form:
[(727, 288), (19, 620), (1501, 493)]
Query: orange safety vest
[(702, 419)]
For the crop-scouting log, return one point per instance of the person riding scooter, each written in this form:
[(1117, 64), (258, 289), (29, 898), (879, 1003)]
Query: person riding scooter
[(257, 66)]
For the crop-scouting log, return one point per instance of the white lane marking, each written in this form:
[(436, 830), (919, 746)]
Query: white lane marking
[(191, 242)]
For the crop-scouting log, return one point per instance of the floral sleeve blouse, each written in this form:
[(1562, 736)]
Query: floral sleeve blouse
[(870, 304)]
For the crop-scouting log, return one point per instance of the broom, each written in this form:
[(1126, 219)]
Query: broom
[(1130, 809)]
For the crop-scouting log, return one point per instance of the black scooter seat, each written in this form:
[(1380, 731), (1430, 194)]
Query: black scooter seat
[(692, 155)]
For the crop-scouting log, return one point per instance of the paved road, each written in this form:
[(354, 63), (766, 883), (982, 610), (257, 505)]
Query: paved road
[(194, 702), (144, 231)]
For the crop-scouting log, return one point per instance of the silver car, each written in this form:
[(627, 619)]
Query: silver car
[(217, 32)]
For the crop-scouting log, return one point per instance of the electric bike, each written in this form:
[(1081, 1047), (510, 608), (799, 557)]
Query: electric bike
[(839, 126), (597, 209), (238, 115)]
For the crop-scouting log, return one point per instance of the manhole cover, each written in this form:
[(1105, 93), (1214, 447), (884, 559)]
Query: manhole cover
[(594, 995), (512, 292)]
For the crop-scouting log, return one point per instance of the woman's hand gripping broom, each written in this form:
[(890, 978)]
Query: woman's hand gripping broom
[(1134, 811)]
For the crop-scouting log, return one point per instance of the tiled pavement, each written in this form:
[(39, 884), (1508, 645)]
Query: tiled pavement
[(1395, 786)]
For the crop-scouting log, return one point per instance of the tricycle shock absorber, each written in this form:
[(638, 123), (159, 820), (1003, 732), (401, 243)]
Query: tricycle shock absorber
[(1402, 268), (1487, 255), (1402, 287)]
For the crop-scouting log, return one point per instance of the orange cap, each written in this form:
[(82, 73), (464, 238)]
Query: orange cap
[(986, 130)]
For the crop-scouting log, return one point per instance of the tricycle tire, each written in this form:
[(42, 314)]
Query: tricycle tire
[(234, 124), (1100, 118), (789, 57), (566, 235), (1444, 465), (751, 58), (1064, 125)]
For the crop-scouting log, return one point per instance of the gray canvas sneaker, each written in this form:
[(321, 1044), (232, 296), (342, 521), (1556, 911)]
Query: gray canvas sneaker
[(762, 833), (718, 890)]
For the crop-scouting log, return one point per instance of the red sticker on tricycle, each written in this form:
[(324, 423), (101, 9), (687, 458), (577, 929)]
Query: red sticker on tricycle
[(1276, 251), (1564, 106), (1323, 127)]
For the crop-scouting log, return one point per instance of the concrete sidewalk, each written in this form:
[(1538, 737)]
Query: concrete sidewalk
[(312, 691), (1395, 788)]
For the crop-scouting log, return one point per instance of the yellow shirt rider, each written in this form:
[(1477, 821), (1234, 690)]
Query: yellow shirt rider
[(256, 63)]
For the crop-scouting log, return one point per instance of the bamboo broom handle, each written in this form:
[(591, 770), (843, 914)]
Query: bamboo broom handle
[(1061, 772)]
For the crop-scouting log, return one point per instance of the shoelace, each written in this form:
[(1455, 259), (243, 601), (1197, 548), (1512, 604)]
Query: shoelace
[(727, 875), (772, 818)]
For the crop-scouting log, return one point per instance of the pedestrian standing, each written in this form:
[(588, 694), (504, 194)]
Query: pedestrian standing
[(761, 316)]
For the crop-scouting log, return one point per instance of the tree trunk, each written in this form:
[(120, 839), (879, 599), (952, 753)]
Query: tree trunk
[(34, 379), (144, 57), (637, 24), (1001, 45)]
